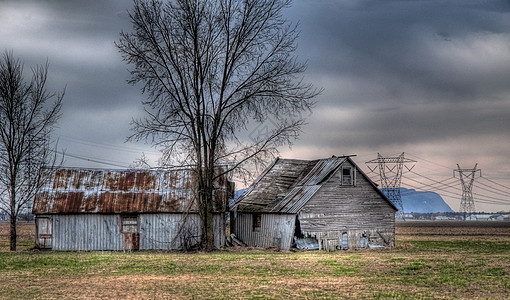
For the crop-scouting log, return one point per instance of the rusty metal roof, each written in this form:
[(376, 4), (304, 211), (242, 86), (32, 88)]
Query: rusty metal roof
[(288, 184), (73, 190)]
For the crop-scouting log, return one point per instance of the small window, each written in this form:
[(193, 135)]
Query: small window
[(347, 176), (129, 224), (256, 222)]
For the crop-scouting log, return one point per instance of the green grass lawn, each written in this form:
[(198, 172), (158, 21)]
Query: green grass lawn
[(417, 268)]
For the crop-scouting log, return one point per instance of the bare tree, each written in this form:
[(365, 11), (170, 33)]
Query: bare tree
[(27, 118), (212, 70)]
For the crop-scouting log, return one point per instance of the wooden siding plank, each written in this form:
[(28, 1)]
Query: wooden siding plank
[(356, 209)]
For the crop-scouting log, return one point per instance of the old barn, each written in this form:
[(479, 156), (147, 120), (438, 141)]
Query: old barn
[(328, 202), (93, 209)]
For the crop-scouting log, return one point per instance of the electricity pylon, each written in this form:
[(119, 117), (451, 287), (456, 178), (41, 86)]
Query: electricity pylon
[(467, 177), (390, 173)]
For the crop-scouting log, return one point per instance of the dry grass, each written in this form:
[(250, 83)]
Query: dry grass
[(25, 232), (431, 261), (448, 230)]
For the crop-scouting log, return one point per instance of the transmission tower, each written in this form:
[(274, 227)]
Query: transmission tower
[(467, 177), (390, 173)]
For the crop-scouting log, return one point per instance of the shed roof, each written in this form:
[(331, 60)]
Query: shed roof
[(73, 190), (288, 184)]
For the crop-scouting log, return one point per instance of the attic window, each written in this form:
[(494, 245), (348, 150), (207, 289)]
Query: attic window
[(347, 175), (129, 224), (256, 222)]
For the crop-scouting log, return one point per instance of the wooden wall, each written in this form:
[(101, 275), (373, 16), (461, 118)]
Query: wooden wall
[(358, 210)]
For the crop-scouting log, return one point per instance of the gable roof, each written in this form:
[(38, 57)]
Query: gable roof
[(76, 190), (288, 184)]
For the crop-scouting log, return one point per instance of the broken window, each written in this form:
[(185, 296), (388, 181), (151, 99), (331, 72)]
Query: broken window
[(347, 175), (297, 229), (256, 222), (363, 241), (345, 241), (129, 224)]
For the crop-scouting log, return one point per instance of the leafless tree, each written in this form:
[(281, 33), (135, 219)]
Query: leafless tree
[(214, 70), (27, 118)]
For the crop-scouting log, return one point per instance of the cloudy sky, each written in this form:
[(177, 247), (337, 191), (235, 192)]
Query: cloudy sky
[(428, 78)]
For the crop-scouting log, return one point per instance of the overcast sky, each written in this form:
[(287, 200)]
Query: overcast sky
[(428, 78)]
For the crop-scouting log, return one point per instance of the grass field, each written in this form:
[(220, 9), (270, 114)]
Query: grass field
[(432, 260)]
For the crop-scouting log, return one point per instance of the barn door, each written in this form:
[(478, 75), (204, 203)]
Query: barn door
[(44, 232), (130, 232)]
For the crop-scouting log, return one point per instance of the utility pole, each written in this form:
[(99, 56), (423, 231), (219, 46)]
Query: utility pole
[(467, 177), (390, 173)]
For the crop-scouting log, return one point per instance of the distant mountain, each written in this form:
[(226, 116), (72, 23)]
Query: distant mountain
[(422, 202), (413, 201)]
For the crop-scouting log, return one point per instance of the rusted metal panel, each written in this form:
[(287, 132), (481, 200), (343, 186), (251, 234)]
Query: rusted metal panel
[(124, 191)]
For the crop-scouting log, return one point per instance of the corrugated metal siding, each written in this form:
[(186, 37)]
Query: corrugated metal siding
[(219, 221), (160, 231), (277, 230), (86, 232)]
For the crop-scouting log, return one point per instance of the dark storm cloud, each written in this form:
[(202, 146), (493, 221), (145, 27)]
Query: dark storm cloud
[(77, 38), (420, 44), (408, 70), (430, 77)]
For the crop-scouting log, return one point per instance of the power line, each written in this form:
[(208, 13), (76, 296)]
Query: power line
[(105, 146), (424, 184), (90, 159), (489, 189), (455, 195), (435, 182), (494, 182), (434, 163), (481, 199)]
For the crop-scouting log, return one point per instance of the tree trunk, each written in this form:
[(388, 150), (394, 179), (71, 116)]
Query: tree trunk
[(206, 218), (12, 216), (12, 234), (209, 227)]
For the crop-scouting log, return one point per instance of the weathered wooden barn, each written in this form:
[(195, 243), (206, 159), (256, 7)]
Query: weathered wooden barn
[(93, 209), (330, 201)]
